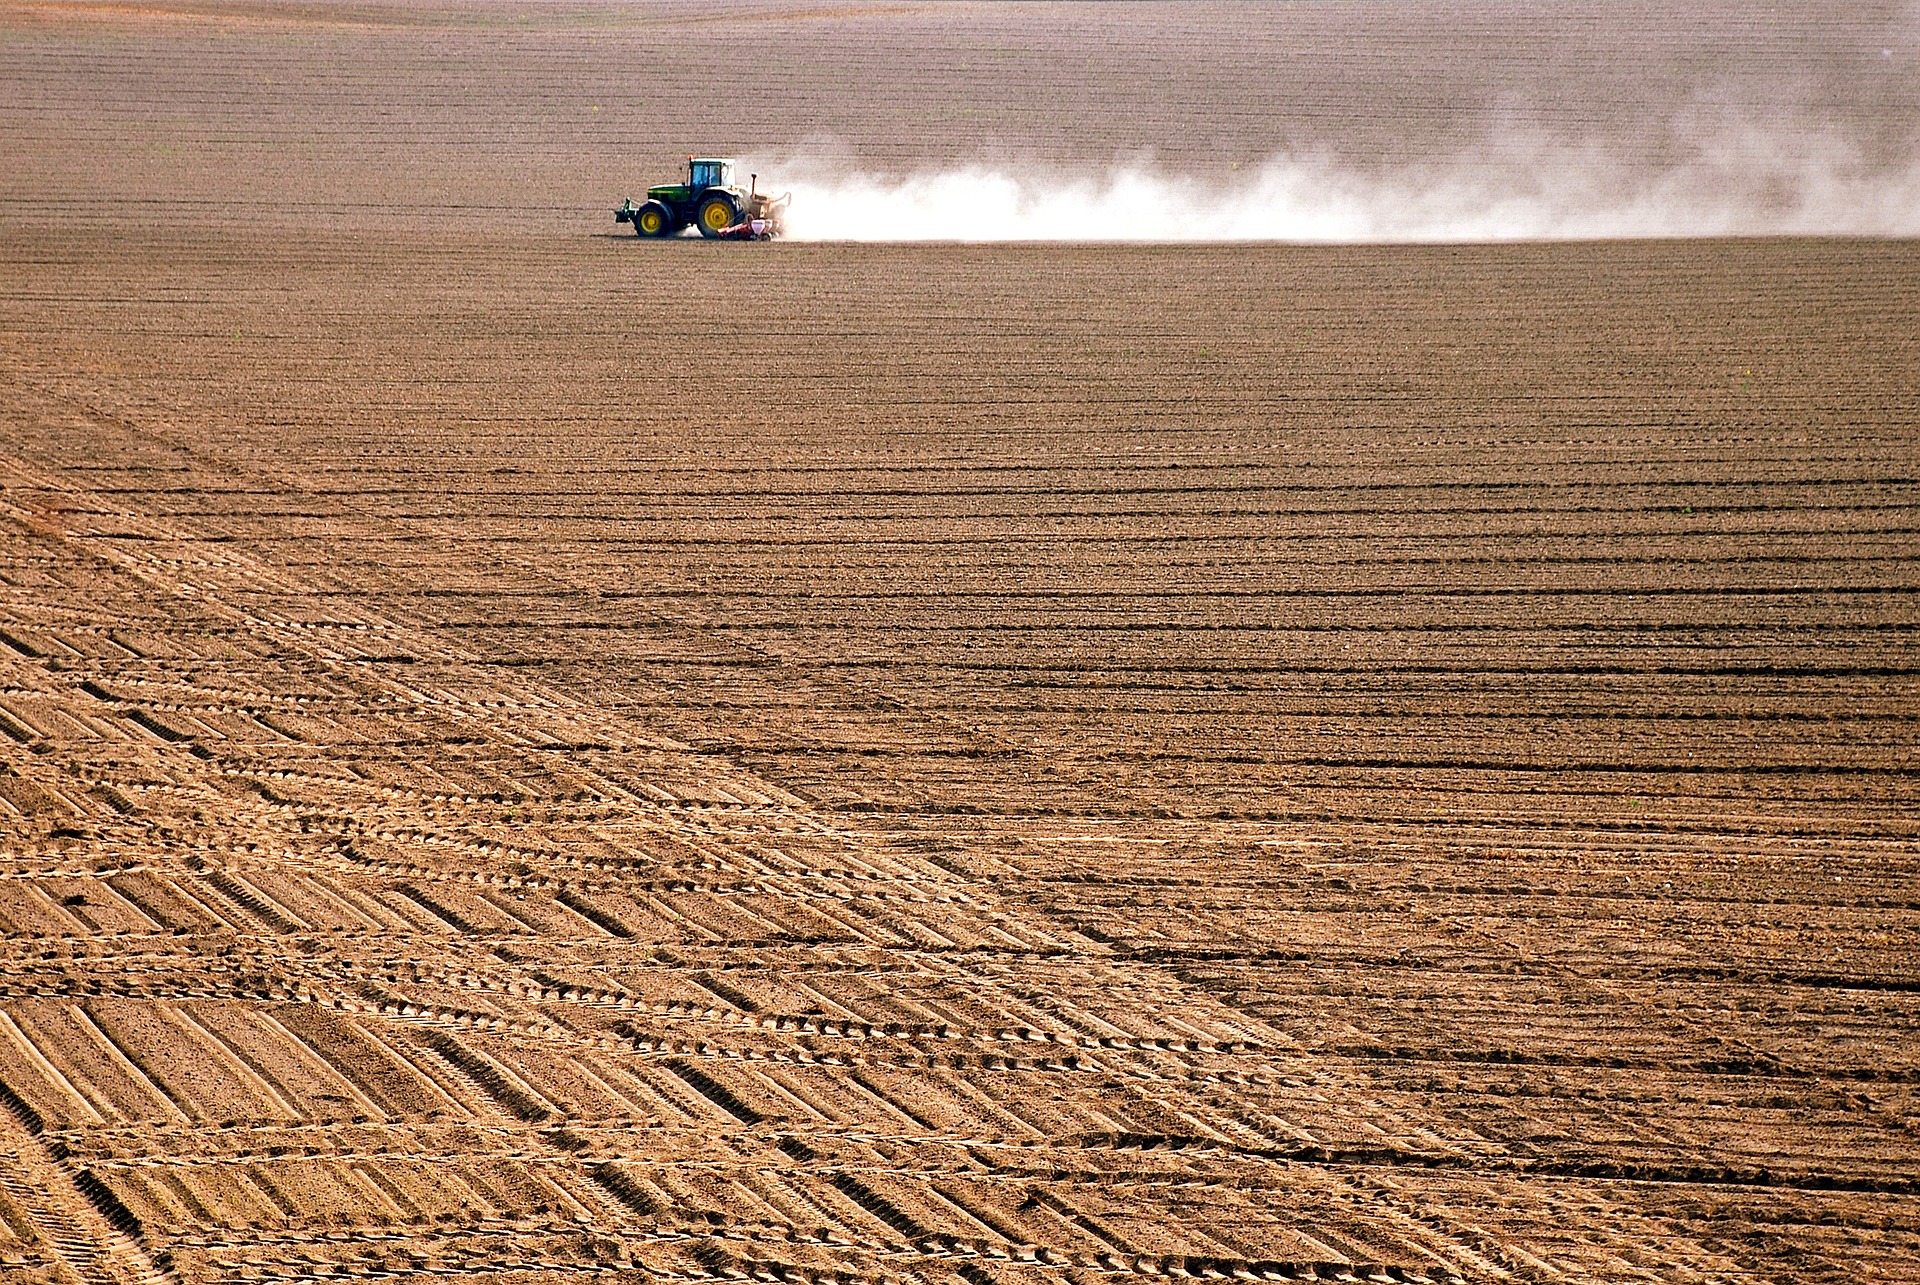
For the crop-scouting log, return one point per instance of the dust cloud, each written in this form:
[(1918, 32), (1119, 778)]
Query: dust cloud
[(1518, 186)]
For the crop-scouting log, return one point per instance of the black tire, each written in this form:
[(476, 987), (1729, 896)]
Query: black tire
[(653, 219), (716, 214)]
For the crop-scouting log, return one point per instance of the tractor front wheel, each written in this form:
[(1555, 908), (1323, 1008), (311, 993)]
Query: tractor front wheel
[(716, 214), (653, 219)]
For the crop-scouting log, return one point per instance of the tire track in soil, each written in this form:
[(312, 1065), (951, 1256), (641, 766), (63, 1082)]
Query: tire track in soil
[(1146, 961), (80, 1220), (484, 1081)]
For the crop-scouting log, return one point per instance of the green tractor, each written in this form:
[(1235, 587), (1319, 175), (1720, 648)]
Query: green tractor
[(709, 200)]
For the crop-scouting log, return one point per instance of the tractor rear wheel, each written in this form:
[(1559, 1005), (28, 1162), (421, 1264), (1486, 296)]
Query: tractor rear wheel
[(652, 219), (716, 214)]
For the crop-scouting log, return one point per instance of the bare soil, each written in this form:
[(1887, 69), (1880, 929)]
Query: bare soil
[(528, 754)]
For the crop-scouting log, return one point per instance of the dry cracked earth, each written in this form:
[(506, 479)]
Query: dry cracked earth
[(526, 755)]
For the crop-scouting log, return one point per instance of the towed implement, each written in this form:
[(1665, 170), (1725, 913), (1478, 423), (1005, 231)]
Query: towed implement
[(709, 200)]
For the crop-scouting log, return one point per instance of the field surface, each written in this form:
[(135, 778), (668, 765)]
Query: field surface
[(534, 757)]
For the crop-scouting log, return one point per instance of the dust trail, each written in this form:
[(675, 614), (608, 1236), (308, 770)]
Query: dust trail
[(1516, 187)]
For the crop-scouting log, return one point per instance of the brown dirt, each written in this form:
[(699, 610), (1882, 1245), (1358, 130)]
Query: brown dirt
[(1026, 763)]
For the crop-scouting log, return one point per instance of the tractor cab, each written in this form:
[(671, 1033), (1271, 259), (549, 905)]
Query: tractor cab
[(706, 172)]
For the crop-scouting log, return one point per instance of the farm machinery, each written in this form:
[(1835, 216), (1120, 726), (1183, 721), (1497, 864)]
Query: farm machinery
[(709, 200)]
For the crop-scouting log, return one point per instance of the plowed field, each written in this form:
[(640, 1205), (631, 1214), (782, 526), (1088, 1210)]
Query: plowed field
[(533, 756)]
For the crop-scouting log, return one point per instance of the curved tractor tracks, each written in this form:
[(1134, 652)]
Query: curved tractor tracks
[(201, 843), (340, 947)]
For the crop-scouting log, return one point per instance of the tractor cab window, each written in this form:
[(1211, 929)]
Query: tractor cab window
[(712, 174)]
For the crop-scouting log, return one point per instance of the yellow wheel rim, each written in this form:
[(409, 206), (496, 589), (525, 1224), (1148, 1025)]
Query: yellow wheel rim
[(717, 216), (650, 222)]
